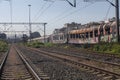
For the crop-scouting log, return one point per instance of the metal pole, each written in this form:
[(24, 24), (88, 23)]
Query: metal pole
[(30, 21), (44, 31), (11, 11), (67, 35), (117, 19)]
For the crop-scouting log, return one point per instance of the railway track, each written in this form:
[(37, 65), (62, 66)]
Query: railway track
[(15, 67), (85, 54), (73, 61), (55, 68), (85, 57)]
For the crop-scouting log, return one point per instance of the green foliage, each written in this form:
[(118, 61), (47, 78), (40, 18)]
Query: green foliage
[(96, 48), (35, 44), (85, 46), (66, 47), (112, 48), (49, 44), (115, 48), (3, 46)]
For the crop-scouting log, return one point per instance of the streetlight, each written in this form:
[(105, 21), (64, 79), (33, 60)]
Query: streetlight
[(29, 21)]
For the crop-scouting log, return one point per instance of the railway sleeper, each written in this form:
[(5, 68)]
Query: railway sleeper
[(45, 78), (109, 77), (91, 71), (96, 72)]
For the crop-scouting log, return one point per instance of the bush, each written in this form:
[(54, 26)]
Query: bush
[(35, 44), (3, 46), (96, 47), (107, 48), (116, 48), (49, 44)]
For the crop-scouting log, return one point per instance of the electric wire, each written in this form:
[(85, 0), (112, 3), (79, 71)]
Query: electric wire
[(40, 10), (44, 11), (73, 12), (108, 11), (61, 14)]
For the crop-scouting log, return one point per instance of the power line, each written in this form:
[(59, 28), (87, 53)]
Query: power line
[(44, 11), (40, 10), (107, 13), (61, 14), (73, 12)]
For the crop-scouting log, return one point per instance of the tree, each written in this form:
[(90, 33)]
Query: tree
[(35, 34)]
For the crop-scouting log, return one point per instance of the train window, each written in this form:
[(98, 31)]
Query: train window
[(96, 33), (65, 36), (70, 35), (86, 34), (82, 36), (91, 34), (73, 35), (77, 35), (61, 37)]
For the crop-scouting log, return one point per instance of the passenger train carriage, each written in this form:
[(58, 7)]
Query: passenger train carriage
[(94, 34)]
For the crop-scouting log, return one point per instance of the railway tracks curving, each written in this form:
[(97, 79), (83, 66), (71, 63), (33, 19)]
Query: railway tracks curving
[(15, 67), (105, 73)]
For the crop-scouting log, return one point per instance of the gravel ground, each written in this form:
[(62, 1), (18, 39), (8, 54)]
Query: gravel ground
[(56, 70)]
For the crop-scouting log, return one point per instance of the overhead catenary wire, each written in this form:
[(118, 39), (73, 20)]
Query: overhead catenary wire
[(61, 14), (49, 7), (44, 11), (39, 15), (108, 11), (73, 12), (42, 7)]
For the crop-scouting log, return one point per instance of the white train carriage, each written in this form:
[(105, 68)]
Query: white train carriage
[(100, 33), (82, 36), (58, 38), (42, 39)]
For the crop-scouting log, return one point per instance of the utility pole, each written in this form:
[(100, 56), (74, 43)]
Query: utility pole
[(30, 21), (44, 31), (117, 19), (11, 11)]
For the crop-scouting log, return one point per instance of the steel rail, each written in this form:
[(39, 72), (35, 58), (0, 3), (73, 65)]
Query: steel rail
[(79, 57), (3, 61), (28, 65)]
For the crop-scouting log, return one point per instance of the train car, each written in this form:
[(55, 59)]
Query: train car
[(58, 38), (42, 39), (105, 32), (91, 33), (85, 35)]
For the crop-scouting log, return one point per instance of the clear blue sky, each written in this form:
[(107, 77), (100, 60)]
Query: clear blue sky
[(56, 14)]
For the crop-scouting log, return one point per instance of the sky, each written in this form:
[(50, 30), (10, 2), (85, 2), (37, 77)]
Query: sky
[(55, 13)]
